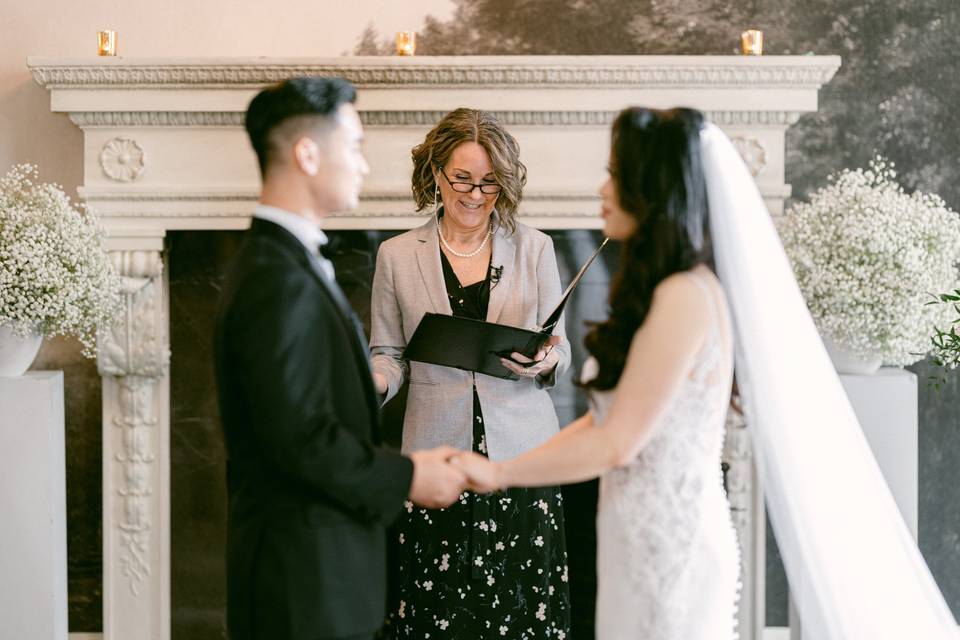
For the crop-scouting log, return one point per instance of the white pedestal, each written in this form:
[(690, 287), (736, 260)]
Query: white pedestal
[(33, 505), (886, 404)]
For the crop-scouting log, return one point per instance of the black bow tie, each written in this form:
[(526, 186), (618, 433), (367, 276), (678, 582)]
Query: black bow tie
[(330, 249)]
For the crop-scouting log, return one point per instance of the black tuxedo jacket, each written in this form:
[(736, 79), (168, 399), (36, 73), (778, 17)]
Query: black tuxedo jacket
[(310, 491)]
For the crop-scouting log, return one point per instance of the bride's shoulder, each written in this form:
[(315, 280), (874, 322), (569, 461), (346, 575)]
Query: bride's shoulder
[(682, 285), (685, 295)]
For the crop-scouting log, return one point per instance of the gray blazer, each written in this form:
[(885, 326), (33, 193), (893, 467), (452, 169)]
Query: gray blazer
[(518, 414)]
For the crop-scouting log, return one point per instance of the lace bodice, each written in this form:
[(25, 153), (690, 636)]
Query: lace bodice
[(663, 517)]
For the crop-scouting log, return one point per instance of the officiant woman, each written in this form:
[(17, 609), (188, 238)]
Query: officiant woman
[(490, 565)]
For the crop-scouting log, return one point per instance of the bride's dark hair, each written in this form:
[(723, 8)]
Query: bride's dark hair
[(656, 168)]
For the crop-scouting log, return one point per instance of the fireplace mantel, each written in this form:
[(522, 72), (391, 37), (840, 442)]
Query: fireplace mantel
[(164, 149), (178, 125)]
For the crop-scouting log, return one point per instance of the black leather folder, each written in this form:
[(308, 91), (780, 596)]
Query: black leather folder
[(475, 345)]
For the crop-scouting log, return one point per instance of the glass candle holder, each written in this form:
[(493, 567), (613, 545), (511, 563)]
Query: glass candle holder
[(107, 43), (751, 42), (406, 43)]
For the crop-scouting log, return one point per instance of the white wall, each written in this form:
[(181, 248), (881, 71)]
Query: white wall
[(29, 132)]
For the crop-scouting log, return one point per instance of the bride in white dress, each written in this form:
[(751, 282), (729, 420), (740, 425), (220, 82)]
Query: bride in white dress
[(659, 378)]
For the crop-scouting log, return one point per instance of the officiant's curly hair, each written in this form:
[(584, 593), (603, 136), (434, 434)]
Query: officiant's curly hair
[(656, 167), (282, 112), (471, 125)]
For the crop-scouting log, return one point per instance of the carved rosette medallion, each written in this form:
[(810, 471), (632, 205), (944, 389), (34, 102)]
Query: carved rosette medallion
[(753, 153), (122, 159)]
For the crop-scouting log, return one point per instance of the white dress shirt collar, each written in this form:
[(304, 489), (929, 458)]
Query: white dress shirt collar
[(308, 233)]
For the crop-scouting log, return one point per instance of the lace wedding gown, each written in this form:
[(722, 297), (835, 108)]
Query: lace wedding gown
[(667, 555)]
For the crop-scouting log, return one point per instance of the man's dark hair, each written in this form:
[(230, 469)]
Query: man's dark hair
[(290, 107)]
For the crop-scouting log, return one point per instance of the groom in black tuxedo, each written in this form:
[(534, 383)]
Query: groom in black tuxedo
[(310, 490)]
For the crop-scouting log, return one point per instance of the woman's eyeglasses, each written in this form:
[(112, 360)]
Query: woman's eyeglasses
[(460, 186)]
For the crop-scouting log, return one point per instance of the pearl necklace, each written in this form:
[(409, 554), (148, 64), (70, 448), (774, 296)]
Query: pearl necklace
[(464, 255)]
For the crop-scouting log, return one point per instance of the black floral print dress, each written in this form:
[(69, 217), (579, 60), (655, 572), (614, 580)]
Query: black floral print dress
[(489, 566)]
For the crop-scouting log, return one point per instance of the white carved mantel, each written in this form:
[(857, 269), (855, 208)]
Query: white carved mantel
[(164, 149)]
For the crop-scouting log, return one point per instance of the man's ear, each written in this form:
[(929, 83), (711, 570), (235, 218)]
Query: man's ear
[(306, 153)]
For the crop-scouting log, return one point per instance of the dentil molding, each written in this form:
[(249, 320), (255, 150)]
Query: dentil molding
[(459, 71), (117, 119)]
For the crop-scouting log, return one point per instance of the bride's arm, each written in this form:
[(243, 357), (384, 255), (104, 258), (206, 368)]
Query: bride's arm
[(660, 357)]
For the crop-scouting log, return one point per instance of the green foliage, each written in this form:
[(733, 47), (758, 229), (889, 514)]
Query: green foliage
[(946, 342)]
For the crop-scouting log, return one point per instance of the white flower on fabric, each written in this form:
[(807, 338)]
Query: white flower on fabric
[(402, 611), (499, 546), (428, 585), (868, 256), (444, 562), (538, 541), (443, 624), (408, 505), (504, 629), (478, 561), (544, 506)]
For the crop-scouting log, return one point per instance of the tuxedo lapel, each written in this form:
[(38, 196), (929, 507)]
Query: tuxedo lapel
[(428, 260), (350, 319), (339, 299), (333, 292), (503, 254)]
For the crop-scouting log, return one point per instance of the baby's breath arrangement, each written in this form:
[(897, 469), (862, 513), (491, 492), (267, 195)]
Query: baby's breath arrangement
[(867, 256), (55, 276)]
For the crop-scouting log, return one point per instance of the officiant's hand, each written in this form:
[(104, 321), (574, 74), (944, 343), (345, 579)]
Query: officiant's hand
[(436, 483), (540, 365), (483, 476)]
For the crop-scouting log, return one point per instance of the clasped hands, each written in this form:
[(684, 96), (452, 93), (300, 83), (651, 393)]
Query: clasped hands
[(440, 475)]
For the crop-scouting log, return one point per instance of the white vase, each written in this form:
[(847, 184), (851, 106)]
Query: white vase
[(845, 361), (16, 353)]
